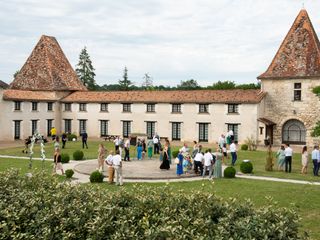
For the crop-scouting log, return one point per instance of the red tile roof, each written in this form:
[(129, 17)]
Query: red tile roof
[(195, 96), (22, 95), (299, 53), (47, 68)]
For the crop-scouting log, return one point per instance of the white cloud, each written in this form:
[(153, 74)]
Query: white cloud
[(172, 40)]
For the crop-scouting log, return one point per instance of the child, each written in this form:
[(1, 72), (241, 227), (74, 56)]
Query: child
[(187, 164)]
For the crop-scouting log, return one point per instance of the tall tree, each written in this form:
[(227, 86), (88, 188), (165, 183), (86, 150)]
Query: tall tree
[(223, 85), (85, 70), (148, 81), (125, 83), (189, 85)]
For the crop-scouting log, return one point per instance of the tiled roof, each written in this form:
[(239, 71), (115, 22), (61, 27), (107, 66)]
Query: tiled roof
[(194, 96), (47, 68), (299, 53), (3, 85), (23, 95)]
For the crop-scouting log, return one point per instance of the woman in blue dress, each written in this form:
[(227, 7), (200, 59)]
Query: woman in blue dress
[(139, 150), (179, 165)]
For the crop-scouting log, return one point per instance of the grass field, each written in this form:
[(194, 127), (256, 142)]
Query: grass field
[(257, 158)]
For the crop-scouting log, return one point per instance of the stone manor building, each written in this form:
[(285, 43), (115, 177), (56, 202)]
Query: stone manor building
[(47, 93)]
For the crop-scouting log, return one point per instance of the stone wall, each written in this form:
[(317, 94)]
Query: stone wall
[(281, 107)]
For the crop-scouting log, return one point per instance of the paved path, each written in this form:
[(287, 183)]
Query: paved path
[(148, 171)]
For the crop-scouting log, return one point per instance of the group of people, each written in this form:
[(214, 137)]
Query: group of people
[(227, 140), (201, 161), (285, 154)]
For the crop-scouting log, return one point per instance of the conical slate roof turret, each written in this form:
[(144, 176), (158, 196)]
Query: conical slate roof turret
[(47, 69), (299, 53)]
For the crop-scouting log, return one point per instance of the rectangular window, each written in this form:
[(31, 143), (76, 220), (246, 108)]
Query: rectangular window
[(233, 108), (203, 132), (176, 131), (82, 126), (103, 128), (126, 130), (176, 108), (234, 128), (150, 107), (17, 129), (67, 126), (67, 107), (261, 130), (34, 126), (49, 126), (297, 92), (104, 107), (50, 106), (203, 108), (126, 107), (82, 107), (17, 106), (34, 106), (151, 129)]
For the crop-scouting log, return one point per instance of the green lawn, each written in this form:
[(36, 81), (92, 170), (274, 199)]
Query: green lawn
[(257, 158), (304, 198)]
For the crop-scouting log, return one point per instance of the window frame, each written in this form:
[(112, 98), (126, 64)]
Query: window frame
[(17, 106), (82, 126), (297, 91), (176, 108), (67, 107), (34, 106), (151, 108), (233, 108), (66, 125), (176, 131), (104, 107), (104, 124), (34, 126), (126, 107), (49, 106), (152, 126), (126, 128), (203, 132), (82, 107), (203, 108)]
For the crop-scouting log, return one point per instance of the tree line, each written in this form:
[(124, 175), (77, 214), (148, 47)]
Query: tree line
[(85, 72)]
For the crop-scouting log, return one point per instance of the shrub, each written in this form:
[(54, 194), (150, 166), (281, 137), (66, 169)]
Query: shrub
[(244, 147), (78, 155), (96, 177), (71, 136), (36, 208), (65, 158), (246, 167), (229, 172), (69, 173), (252, 143), (175, 153)]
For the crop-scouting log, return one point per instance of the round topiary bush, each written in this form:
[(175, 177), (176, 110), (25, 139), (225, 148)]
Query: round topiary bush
[(69, 173), (96, 177), (246, 167), (65, 158), (244, 147), (175, 153), (78, 155), (71, 136), (229, 172)]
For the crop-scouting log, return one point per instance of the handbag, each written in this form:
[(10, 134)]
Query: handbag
[(176, 160)]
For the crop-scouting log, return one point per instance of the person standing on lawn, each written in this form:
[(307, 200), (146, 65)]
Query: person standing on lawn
[(64, 139), (110, 167), (53, 133), (288, 159), (233, 150), (304, 160), (116, 143), (84, 138), (117, 164), (208, 163), (57, 161), (315, 155), (281, 158), (198, 162), (127, 150), (156, 140), (101, 156)]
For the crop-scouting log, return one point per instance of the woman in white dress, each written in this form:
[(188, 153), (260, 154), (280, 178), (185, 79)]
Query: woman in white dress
[(304, 160)]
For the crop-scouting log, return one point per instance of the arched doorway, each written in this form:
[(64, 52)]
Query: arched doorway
[(294, 131)]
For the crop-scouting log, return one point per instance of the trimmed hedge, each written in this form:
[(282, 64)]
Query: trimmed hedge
[(65, 158), (71, 136), (96, 177), (246, 167), (69, 173), (78, 155), (41, 207), (175, 153), (244, 147), (229, 172)]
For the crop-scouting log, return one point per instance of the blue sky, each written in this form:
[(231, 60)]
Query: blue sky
[(207, 40)]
